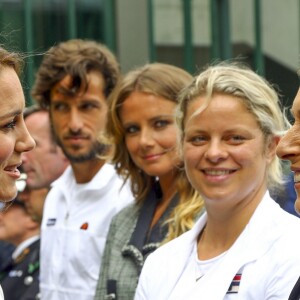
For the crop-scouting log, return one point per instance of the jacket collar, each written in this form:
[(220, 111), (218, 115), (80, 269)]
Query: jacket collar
[(138, 247), (99, 181)]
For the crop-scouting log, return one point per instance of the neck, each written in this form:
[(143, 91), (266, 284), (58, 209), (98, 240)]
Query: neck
[(25, 237), (169, 189), (84, 172), (223, 228), (168, 186)]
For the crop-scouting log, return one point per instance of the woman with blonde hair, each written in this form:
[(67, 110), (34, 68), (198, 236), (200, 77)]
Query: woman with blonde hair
[(141, 122), (244, 246)]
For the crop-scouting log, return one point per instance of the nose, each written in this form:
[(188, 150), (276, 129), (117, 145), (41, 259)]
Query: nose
[(146, 138), (215, 151), (289, 145), (24, 142), (75, 121)]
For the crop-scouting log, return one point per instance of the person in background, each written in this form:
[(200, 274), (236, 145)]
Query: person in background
[(19, 277), (73, 83), (6, 249), (46, 162), (33, 200), (141, 123), (244, 245), (35, 203), (19, 274), (288, 149), (43, 165)]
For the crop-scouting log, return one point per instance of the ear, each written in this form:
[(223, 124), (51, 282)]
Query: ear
[(272, 143)]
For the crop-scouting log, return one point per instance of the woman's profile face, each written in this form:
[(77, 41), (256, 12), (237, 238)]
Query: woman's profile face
[(224, 152), (14, 137), (150, 133), (289, 147)]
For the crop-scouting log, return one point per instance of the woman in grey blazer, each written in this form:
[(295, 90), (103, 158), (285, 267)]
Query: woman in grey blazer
[(142, 125)]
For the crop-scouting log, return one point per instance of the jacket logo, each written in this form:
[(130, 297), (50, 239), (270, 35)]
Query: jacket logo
[(51, 222), (84, 226), (235, 284)]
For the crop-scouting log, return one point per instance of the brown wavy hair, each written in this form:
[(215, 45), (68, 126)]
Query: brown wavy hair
[(75, 58), (11, 59)]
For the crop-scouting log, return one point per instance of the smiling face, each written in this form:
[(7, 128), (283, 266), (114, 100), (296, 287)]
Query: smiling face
[(289, 147), (225, 153), (14, 137), (78, 119), (150, 133)]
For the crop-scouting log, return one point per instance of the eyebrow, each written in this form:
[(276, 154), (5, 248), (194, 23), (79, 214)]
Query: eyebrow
[(83, 100), (12, 114), (154, 119), (163, 116)]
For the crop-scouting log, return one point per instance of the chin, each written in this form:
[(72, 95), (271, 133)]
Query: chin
[(8, 195)]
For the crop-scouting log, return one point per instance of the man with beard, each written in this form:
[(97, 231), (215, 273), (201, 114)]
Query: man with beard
[(73, 82)]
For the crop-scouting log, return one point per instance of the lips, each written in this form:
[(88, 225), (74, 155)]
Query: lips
[(296, 170), (76, 137), (152, 156), (214, 172), (75, 140), (12, 170), (296, 177)]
